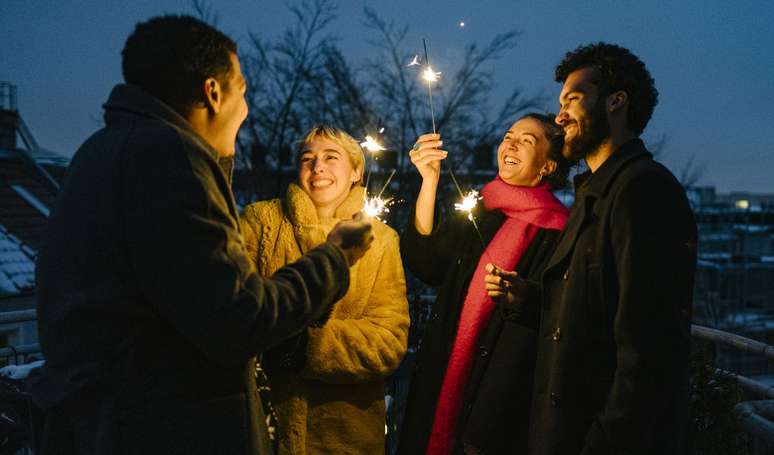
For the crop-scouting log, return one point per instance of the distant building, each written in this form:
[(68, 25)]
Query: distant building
[(29, 181), (735, 277)]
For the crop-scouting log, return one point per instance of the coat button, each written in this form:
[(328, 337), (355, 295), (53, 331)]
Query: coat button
[(554, 400), (557, 335), (459, 261), (484, 351)]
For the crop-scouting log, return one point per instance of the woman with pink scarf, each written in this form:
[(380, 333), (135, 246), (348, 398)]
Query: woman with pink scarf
[(471, 387)]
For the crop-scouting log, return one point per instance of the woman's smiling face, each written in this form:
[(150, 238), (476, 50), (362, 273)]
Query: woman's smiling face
[(326, 173), (523, 153)]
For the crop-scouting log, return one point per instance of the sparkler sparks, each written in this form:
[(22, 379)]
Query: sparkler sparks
[(414, 61), (429, 75), (469, 202), (376, 206), (372, 145)]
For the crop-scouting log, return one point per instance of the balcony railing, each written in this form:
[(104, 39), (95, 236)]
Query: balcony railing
[(755, 417)]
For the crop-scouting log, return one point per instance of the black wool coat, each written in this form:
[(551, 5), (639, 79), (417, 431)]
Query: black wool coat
[(613, 351), (149, 311), (447, 258)]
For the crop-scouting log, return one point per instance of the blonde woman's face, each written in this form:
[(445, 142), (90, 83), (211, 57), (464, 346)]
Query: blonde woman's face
[(326, 173)]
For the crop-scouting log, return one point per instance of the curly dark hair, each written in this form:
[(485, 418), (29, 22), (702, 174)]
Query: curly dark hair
[(617, 69), (555, 135), (170, 56)]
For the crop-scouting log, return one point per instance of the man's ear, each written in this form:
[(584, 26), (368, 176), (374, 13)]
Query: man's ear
[(213, 94), (616, 100)]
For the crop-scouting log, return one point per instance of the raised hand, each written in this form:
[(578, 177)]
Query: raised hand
[(426, 156), (354, 237)]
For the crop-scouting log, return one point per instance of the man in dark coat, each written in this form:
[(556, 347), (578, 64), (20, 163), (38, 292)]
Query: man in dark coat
[(613, 349), (150, 314)]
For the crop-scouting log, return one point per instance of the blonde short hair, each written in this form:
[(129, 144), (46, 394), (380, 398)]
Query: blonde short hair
[(340, 137)]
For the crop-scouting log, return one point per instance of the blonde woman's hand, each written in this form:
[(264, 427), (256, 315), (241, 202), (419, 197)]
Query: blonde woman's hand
[(426, 155)]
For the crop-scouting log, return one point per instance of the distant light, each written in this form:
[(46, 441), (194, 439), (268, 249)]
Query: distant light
[(743, 204), (462, 24)]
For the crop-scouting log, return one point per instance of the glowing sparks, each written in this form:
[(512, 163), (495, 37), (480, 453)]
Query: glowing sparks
[(372, 145), (469, 202), (429, 75), (381, 130), (414, 61), (462, 24), (376, 206)]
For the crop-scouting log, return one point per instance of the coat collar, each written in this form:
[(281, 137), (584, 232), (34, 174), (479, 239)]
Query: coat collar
[(598, 183), (302, 212), (131, 98), (588, 188)]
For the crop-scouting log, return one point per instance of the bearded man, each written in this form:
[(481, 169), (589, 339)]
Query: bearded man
[(614, 342)]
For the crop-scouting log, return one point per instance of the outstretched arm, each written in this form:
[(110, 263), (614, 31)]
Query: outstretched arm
[(191, 264)]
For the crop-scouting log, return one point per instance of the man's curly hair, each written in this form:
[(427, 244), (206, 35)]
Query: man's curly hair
[(617, 69), (170, 56)]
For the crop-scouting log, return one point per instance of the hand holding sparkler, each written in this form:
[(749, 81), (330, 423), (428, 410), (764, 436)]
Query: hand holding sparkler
[(502, 285), (426, 156)]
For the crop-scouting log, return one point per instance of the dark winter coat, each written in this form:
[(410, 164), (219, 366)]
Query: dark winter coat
[(613, 351), (149, 310), (447, 258)]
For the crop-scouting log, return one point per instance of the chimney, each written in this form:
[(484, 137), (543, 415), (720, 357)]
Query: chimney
[(9, 116)]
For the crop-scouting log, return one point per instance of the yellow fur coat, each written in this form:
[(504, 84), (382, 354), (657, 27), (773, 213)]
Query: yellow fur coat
[(336, 404)]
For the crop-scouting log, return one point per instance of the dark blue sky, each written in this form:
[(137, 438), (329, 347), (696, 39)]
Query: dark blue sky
[(713, 61)]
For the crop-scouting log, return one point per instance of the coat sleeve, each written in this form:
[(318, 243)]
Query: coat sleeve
[(653, 238), (348, 351), (190, 261), (430, 256)]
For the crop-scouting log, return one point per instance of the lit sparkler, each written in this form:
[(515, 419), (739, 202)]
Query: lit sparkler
[(469, 202), (372, 145), (430, 76), (376, 206)]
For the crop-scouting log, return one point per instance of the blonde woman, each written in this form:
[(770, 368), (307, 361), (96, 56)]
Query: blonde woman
[(328, 383)]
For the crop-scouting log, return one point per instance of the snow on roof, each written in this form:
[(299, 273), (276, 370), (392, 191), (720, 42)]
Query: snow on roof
[(17, 269), (20, 371)]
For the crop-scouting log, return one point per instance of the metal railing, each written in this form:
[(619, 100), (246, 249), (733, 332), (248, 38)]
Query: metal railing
[(755, 417)]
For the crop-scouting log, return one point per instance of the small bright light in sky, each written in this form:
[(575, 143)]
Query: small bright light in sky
[(462, 24)]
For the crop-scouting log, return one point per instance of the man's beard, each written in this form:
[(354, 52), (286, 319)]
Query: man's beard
[(595, 130)]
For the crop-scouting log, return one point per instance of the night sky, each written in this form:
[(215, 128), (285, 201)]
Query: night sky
[(713, 61)]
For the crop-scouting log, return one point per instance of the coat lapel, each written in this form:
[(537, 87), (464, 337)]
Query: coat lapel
[(595, 186), (580, 215)]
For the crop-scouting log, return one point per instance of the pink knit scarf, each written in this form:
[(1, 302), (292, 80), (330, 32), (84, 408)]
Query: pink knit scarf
[(526, 209)]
